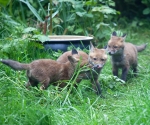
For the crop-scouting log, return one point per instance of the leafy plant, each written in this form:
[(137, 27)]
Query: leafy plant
[(7, 25), (146, 11), (4, 3), (69, 17)]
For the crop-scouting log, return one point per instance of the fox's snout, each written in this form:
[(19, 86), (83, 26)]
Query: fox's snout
[(111, 52), (98, 66)]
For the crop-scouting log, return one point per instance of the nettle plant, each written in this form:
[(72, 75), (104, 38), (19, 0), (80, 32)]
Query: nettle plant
[(86, 18), (69, 17)]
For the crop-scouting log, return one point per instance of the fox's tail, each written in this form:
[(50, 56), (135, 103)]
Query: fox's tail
[(141, 47), (15, 65)]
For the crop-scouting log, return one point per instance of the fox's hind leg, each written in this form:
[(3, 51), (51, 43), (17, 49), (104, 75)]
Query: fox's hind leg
[(28, 85), (32, 83), (135, 70), (31, 80), (45, 83)]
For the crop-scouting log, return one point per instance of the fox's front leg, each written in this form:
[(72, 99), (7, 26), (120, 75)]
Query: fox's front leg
[(97, 87), (115, 71), (135, 71), (124, 73)]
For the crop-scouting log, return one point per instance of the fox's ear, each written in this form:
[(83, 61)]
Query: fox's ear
[(74, 51), (114, 33), (124, 36), (71, 59), (104, 50), (105, 47), (91, 47)]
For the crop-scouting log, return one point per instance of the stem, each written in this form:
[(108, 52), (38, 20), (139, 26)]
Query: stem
[(51, 25), (45, 25)]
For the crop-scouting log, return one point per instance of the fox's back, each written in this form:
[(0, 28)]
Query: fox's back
[(43, 63), (45, 68), (63, 58), (130, 53), (123, 54)]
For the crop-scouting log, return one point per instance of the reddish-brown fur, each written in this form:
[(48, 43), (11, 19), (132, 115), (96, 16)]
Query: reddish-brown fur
[(46, 71), (95, 61), (123, 55)]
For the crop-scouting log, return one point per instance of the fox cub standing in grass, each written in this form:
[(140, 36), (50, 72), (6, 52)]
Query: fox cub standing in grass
[(95, 60), (123, 54), (46, 71)]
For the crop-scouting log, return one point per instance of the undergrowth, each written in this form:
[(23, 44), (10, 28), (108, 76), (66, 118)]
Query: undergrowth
[(124, 103)]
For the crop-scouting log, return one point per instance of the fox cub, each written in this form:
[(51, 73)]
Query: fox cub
[(123, 55), (95, 60), (46, 71)]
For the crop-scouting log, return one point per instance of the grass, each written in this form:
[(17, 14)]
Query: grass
[(124, 104)]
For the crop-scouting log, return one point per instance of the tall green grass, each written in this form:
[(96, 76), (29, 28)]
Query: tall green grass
[(124, 104)]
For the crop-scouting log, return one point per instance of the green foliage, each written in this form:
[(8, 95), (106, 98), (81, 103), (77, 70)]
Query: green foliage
[(7, 25), (21, 41), (32, 9), (133, 9), (146, 11), (85, 18), (123, 103), (68, 17), (4, 3)]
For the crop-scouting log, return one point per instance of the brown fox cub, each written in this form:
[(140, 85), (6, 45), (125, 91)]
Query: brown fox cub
[(123, 54), (46, 71), (64, 57), (95, 60)]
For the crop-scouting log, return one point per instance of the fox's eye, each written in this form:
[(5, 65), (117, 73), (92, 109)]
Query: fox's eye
[(115, 46), (102, 59), (95, 58)]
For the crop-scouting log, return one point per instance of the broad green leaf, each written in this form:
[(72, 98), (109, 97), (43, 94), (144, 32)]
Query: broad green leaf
[(146, 11), (112, 3), (141, 23), (71, 28), (4, 2), (57, 20), (77, 31), (89, 15), (41, 38), (55, 13), (77, 5), (71, 17), (32, 9), (104, 9), (29, 29), (81, 14), (101, 24), (90, 3), (134, 23), (6, 47), (9, 20)]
